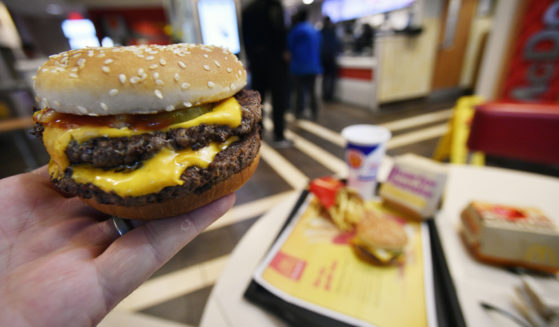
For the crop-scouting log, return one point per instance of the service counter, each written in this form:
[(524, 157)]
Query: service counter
[(357, 81)]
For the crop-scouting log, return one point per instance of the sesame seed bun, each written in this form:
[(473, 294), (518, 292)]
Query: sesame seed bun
[(137, 79), (379, 232)]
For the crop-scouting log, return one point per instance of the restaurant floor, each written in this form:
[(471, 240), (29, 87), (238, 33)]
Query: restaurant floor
[(177, 293)]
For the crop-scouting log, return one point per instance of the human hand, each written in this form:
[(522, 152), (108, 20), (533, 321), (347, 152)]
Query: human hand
[(62, 263)]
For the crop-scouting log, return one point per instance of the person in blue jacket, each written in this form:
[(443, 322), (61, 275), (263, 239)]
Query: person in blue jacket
[(304, 44)]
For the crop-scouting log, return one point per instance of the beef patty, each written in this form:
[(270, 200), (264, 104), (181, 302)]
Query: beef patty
[(125, 151), (129, 152), (232, 160)]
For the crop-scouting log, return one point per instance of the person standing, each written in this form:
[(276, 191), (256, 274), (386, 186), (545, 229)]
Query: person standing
[(331, 47), (304, 43), (265, 39)]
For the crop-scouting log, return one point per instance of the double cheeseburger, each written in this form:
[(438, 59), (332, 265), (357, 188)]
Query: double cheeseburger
[(147, 132), (379, 240)]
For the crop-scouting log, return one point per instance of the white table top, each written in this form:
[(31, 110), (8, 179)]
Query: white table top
[(226, 305), (477, 282), (474, 281)]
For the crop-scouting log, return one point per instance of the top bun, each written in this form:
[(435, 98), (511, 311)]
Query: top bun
[(137, 79), (381, 232)]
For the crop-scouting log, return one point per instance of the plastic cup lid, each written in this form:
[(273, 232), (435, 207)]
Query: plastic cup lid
[(366, 134)]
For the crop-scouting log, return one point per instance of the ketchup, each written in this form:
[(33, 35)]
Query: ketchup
[(149, 122)]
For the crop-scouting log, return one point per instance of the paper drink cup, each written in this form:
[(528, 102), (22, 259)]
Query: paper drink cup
[(365, 146)]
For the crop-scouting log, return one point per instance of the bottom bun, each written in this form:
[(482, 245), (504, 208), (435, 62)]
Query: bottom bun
[(181, 204)]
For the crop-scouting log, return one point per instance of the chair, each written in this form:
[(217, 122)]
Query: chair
[(523, 131)]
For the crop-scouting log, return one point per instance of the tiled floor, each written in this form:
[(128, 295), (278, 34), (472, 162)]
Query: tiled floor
[(179, 290)]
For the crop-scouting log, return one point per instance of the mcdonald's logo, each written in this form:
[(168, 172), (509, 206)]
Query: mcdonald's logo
[(543, 254)]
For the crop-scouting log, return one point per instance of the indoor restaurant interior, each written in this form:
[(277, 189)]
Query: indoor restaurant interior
[(407, 166)]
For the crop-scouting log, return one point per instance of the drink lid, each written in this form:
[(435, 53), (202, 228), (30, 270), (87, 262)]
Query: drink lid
[(366, 134)]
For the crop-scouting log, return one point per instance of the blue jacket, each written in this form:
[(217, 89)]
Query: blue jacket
[(304, 43)]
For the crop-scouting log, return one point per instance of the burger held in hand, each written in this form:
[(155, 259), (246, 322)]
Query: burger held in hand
[(148, 132)]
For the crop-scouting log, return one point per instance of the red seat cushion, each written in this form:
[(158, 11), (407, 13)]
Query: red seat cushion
[(523, 131)]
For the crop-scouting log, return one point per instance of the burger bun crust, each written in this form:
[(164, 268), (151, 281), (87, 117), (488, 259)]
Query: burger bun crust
[(137, 79), (380, 232)]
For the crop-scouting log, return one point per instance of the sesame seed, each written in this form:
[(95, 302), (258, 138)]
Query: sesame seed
[(76, 55), (177, 77), (159, 82), (73, 75), (141, 71), (90, 53), (181, 64), (158, 94), (122, 78), (211, 84), (154, 66), (81, 62), (170, 107), (105, 69), (113, 92), (104, 106), (162, 62), (108, 61), (217, 63), (139, 55), (74, 69), (187, 104), (44, 70), (205, 55), (232, 85), (229, 70), (134, 79), (82, 109), (206, 67), (156, 75), (150, 57), (185, 85)]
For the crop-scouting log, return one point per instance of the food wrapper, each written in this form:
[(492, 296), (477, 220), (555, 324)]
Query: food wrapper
[(511, 235)]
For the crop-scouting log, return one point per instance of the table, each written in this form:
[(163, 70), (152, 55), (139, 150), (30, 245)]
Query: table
[(473, 281), (226, 306)]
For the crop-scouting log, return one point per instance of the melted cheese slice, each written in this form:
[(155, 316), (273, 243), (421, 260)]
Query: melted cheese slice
[(381, 254), (162, 170)]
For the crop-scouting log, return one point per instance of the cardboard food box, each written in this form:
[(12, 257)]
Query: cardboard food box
[(510, 235), (414, 186)]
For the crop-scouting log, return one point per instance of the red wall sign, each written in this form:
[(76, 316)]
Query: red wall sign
[(532, 74)]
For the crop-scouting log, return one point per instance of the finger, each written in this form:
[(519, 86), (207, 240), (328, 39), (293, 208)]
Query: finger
[(131, 259), (99, 235), (42, 172)]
